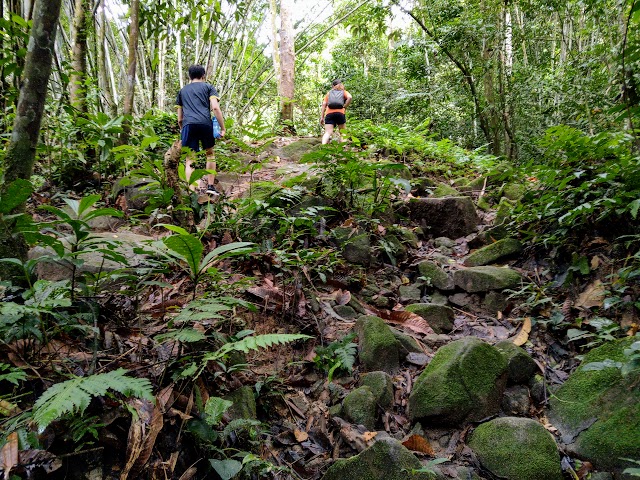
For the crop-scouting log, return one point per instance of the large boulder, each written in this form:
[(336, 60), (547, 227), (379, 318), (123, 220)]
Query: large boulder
[(295, 150), (451, 217), (597, 412), (514, 448), (463, 382), (377, 345), (493, 252), (439, 317), (484, 279), (386, 459)]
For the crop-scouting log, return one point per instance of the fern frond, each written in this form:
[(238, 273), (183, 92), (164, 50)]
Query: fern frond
[(185, 336), (262, 341), (14, 374), (75, 395), (347, 355)]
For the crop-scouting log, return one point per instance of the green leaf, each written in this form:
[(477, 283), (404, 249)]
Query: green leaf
[(235, 248), (173, 228), (635, 205), (15, 195), (86, 203), (188, 248), (597, 366), (226, 469), (184, 336), (215, 409), (75, 395)]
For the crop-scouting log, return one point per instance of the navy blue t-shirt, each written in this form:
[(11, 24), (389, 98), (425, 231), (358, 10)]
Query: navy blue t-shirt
[(194, 100)]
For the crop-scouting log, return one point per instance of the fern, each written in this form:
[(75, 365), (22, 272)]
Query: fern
[(214, 410), (75, 395), (14, 375), (260, 341), (186, 336)]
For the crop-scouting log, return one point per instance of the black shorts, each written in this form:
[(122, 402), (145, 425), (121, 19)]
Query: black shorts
[(335, 118), (195, 134)]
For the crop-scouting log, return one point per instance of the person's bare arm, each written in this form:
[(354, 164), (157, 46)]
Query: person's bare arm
[(348, 100), (214, 105), (180, 117), (322, 110)]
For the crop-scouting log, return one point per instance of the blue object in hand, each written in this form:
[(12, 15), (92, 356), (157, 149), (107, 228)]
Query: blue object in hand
[(216, 128)]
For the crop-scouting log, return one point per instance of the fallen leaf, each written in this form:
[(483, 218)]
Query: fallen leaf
[(592, 296), (418, 443), (412, 321), (343, 297), (522, 337), (301, 435), (9, 454)]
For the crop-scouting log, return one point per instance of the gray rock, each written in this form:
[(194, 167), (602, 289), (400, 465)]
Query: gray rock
[(538, 389), (439, 317), (386, 459), (356, 247), (451, 217), (514, 448), (244, 403), (484, 279), (438, 298), (408, 344), (420, 359), (495, 302), (444, 242), (345, 311), (409, 293), (136, 194), (516, 401)]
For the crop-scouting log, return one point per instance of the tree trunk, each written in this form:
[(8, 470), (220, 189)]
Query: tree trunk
[(287, 66), (77, 90), (103, 64), (134, 32), (21, 152)]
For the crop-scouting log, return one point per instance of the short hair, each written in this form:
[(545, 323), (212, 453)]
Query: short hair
[(337, 81), (196, 71)]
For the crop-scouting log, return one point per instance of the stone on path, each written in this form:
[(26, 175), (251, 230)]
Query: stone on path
[(493, 252), (386, 459), (377, 346), (463, 382), (514, 448), (359, 407), (451, 217), (484, 279), (356, 247), (435, 275), (439, 317), (521, 366)]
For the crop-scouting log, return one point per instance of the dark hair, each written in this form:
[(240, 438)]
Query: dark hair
[(196, 71), (337, 81)]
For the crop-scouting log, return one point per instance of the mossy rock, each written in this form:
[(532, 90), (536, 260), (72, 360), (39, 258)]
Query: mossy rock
[(443, 190), (295, 150), (484, 279), (514, 191), (408, 344), (514, 448), (504, 211), (399, 251), (377, 346), (439, 317), (452, 217), (244, 403), (495, 301), (521, 366), (386, 459), (435, 275), (359, 407), (356, 247), (406, 235), (493, 252), (381, 385), (597, 412), (463, 382), (345, 311)]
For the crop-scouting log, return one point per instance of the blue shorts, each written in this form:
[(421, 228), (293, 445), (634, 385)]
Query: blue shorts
[(195, 134), (335, 118)]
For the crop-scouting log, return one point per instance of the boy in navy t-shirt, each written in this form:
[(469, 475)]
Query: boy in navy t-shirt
[(195, 103)]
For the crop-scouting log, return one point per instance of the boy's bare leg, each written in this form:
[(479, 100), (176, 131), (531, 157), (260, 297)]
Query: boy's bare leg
[(188, 170), (211, 165)]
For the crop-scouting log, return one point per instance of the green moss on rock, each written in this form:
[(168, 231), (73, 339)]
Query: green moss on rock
[(513, 191), (408, 344), (517, 449), (463, 382), (444, 190), (484, 279), (435, 275), (359, 407), (378, 347), (381, 385), (493, 252), (521, 366), (295, 150), (387, 459), (439, 317), (598, 412)]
